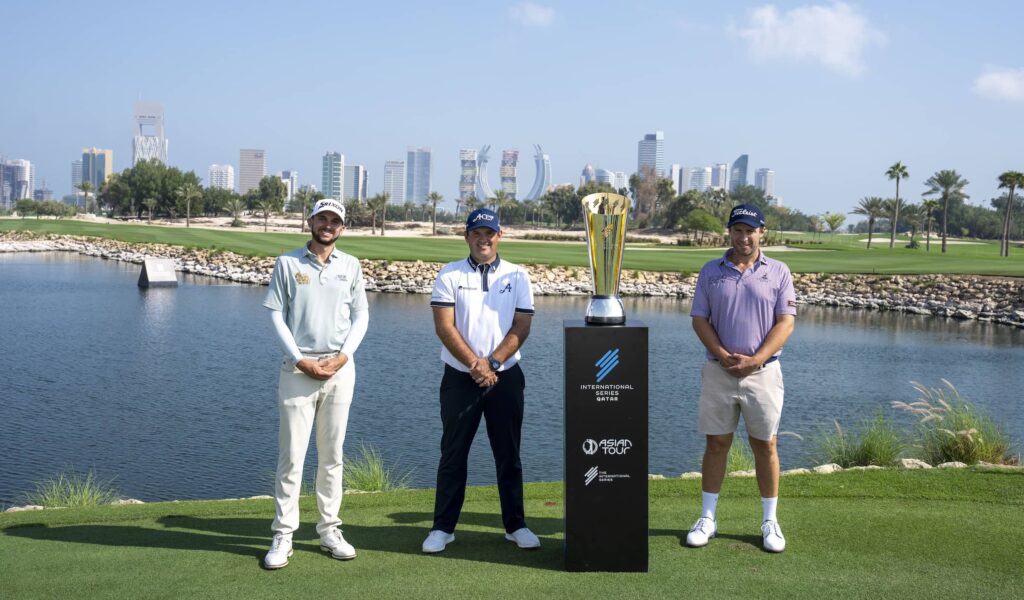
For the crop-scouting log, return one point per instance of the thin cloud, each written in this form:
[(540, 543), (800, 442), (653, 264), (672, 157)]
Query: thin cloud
[(532, 15), (834, 35), (1000, 83)]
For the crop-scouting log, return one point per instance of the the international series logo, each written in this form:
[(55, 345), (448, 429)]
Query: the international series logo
[(590, 476), (607, 363)]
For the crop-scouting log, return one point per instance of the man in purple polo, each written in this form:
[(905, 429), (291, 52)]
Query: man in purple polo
[(744, 310)]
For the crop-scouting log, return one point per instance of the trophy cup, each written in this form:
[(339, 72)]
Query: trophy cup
[(604, 217)]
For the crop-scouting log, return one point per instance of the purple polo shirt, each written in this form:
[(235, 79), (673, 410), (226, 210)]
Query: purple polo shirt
[(742, 307)]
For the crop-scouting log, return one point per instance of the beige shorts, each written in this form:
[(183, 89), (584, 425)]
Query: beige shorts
[(723, 398)]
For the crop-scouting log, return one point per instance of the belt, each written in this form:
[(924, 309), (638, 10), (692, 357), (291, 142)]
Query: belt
[(764, 364), (319, 355)]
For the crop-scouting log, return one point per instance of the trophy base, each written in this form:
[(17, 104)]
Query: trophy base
[(605, 310)]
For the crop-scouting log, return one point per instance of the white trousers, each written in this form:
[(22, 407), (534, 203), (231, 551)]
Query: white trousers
[(302, 401)]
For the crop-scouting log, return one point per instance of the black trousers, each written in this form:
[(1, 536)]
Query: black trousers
[(463, 402)]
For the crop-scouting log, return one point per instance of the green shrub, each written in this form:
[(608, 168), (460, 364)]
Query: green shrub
[(71, 489), (367, 472), (871, 442), (740, 457), (952, 429)]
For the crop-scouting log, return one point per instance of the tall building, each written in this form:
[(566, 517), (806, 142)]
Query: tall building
[(291, 183), (17, 181), (587, 175), (355, 183), (542, 162), (468, 177), (764, 180), (252, 166), (675, 173), (42, 194), (738, 174), (76, 176), (394, 181), (417, 175), (97, 166), (720, 176), (697, 178), (221, 177), (621, 181), (604, 176), (148, 140), (332, 178), (651, 152), (509, 173)]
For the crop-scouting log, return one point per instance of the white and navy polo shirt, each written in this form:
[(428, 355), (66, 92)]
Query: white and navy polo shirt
[(485, 299)]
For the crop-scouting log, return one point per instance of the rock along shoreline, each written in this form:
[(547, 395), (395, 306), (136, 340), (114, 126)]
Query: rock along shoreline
[(967, 297)]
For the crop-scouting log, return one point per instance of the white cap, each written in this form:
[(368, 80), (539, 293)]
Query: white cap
[(328, 204)]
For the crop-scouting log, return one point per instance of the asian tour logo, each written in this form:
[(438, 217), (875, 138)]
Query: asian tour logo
[(607, 364)]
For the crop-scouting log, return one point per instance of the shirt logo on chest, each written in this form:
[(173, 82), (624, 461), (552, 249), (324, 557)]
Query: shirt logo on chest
[(301, 278), (507, 288)]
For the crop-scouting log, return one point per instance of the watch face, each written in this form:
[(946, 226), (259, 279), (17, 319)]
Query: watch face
[(495, 365)]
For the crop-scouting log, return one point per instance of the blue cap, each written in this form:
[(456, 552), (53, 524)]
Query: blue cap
[(483, 217), (748, 214)]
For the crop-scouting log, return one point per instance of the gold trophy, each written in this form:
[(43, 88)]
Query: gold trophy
[(604, 217)]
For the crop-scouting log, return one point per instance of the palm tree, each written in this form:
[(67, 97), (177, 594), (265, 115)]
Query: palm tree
[(913, 215), (897, 171), (188, 192), (891, 209), (928, 207), (1011, 180), (266, 206), (950, 185), (501, 200), (300, 200), (150, 204), (433, 199), (835, 221), (235, 205), (86, 187), (871, 207), (409, 207), (378, 205)]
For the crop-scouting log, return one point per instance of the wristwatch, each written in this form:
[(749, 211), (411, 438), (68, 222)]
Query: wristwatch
[(494, 363)]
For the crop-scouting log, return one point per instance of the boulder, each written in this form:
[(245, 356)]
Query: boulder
[(827, 469), (912, 463)]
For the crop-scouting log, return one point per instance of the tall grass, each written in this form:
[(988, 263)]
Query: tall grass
[(71, 489), (740, 457), (951, 428), (872, 442), (367, 472)]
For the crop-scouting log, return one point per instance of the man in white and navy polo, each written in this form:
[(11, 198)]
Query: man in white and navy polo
[(317, 302), (744, 310), (483, 307)]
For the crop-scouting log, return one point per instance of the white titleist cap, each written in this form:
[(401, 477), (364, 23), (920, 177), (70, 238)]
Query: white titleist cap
[(328, 204)]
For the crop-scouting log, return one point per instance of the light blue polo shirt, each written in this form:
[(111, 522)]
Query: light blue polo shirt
[(742, 307), (317, 300), (486, 299)]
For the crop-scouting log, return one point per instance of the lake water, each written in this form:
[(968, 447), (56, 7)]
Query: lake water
[(173, 391)]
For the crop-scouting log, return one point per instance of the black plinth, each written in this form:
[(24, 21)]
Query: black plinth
[(605, 446)]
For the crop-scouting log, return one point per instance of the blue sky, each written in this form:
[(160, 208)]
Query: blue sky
[(828, 94)]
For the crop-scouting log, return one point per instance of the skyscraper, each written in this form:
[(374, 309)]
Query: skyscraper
[(17, 181), (97, 166), (76, 176), (252, 166), (394, 181), (332, 179), (148, 140), (764, 180), (604, 176), (355, 183), (587, 174), (221, 177), (621, 181), (468, 177), (738, 175), (676, 175), (509, 173), (651, 152), (291, 181), (543, 164), (697, 178), (720, 176), (417, 175)]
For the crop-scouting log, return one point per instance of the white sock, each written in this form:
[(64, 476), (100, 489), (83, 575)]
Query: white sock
[(768, 508), (709, 503)]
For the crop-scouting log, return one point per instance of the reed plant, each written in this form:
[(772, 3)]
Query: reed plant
[(950, 428), (368, 472), (72, 489), (871, 442), (740, 457)]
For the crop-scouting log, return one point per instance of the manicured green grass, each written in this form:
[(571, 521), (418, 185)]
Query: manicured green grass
[(844, 254), (875, 534)]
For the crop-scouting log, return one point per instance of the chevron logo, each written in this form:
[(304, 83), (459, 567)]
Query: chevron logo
[(607, 364)]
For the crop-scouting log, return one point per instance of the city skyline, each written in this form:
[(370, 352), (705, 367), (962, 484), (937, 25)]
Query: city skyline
[(828, 94)]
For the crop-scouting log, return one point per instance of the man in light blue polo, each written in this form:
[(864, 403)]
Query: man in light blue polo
[(483, 308), (317, 302), (744, 310)]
